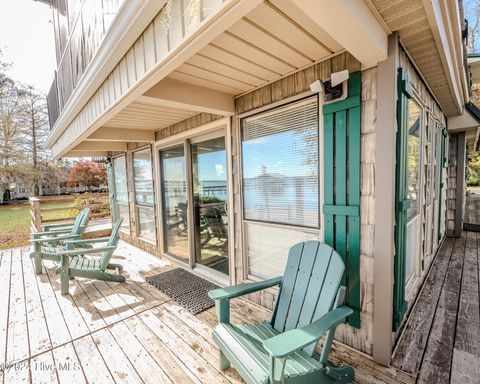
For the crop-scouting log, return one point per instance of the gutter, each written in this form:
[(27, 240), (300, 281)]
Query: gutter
[(130, 21)]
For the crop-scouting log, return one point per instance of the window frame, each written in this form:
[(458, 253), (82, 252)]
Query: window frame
[(319, 231), (128, 229), (152, 207)]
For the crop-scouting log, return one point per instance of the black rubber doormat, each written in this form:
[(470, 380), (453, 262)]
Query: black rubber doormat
[(471, 227), (187, 289)]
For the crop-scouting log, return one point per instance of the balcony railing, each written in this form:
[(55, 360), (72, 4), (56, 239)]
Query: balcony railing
[(52, 103)]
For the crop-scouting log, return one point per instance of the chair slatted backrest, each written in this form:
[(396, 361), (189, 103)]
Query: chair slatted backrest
[(80, 221), (85, 218), (113, 241), (309, 287)]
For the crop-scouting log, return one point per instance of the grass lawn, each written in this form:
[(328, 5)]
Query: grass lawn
[(15, 222)]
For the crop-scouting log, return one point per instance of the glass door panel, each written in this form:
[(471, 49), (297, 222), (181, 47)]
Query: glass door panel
[(415, 190), (209, 172), (175, 207)]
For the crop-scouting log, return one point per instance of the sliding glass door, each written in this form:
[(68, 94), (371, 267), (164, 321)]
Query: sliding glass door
[(209, 173), (195, 202)]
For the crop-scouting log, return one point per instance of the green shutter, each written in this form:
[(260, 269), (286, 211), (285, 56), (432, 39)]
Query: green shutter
[(402, 203), (111, 191), (341, 208)]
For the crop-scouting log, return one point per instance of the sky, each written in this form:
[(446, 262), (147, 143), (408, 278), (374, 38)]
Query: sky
[(27, 41)]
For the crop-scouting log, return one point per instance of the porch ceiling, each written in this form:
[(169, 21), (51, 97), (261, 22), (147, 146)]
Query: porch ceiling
[(147, 116), (276, 38)]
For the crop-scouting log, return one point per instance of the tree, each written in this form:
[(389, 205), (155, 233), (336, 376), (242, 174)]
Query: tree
[(11, 154), (88, 174), (472, 14), (35, 130)]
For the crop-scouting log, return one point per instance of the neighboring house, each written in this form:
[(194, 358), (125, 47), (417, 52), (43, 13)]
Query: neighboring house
[(225, 150), (18, 190)]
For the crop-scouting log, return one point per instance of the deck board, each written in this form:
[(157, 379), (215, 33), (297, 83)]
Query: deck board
[(5, 267), (40, 339), (467, 337), (440, 342), (437, 360), (121, 333), (410, 350)]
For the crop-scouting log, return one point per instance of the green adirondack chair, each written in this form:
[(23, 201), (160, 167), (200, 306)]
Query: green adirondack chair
[(50, 242), (309, 306), (73, 262), (65, 226)]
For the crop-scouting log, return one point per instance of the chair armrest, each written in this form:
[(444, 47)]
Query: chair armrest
[(52, 233), (50, 239), (291, 341), (88, 241), (243, 289), (45, 227), (83, 251)]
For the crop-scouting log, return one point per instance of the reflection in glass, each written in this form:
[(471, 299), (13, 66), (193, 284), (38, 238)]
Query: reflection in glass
[(142, 171), (411, 249), (146, 222), (209, 170), (413, 155), (142, 175), (175, 215), (280, 165), (121, 190)]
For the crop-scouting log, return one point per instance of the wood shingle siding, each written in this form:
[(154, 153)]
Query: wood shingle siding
[(185, 125)]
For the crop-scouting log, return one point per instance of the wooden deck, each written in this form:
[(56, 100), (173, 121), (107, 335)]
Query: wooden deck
[(119, 333), (441, 340)]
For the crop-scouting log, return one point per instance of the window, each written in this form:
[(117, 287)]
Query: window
[(280, 164), (142, 176), (414, 126), (121, 190)]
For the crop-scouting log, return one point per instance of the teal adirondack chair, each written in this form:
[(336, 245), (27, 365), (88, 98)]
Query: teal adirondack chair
[(50, 242), (309, 306), (73, 262), (65, 227)]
